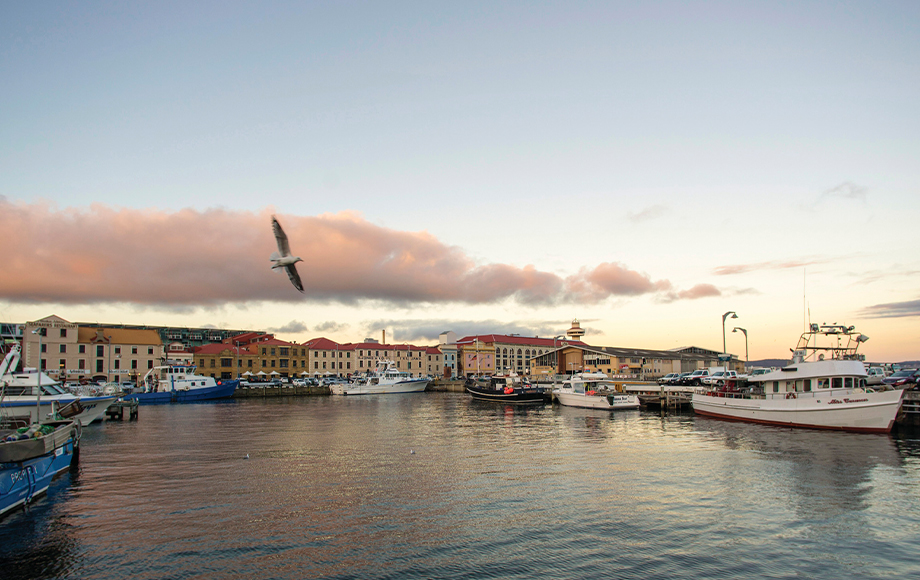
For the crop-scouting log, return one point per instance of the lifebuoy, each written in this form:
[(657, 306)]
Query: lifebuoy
[(790, 395), (508, 390), (590, 393)]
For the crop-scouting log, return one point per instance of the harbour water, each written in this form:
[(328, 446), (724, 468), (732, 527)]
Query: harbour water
[(435, 485)]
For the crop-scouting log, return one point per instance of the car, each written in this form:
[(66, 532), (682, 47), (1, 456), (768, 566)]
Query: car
[(695, 378), (875, 375), (904, 378), (711, 379), (678, 380), (666, 380)]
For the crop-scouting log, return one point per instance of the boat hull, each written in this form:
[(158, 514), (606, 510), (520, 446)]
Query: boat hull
[(843, 410), (532, 396), (93, 407), (21, 481), (401, 387), (224, 390), (610, 401)]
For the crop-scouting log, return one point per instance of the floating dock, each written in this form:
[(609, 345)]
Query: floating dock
[(116, 411)]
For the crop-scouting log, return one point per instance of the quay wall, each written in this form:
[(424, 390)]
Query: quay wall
[(253, 392)]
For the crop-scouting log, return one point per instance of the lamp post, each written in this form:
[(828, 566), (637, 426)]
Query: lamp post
[(736, 329), (38, 401), (724, 316)]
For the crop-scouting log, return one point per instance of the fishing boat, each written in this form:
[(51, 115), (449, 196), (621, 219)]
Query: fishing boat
[(506, 389), (385, 379), (178, 383), (32, 395), (30, 457), (593, 391), (824, 387)]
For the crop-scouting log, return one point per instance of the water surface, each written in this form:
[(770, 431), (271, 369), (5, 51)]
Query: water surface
[(435, 485)]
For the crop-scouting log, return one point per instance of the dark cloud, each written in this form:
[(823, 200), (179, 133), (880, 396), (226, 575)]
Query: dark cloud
[(892, 310), (294, 326), (428, 330)]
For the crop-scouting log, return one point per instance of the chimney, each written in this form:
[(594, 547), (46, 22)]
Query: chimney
[(384, 341)]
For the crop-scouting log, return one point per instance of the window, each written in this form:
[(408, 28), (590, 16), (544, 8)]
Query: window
[(213, 363), (117, 364), (62, 364), (316, 365), (283, 363), (284, 351), (273, 363), (63, 348), (264, 350), (81, 364), (100, 350), (150, 350), (134, 364), (99, 366), (150, 363), (273, 352), (133, 350), (82, 349), (250, 363), (226, 362), (117, 350)]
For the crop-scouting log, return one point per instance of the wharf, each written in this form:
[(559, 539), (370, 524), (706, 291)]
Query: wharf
[(446, 386), (285, 391), (116, 411), (909, 415)]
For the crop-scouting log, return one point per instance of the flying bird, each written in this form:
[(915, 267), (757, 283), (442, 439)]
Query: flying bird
[(283, 258)]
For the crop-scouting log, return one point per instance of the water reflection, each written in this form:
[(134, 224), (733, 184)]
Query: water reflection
[(438, 485)]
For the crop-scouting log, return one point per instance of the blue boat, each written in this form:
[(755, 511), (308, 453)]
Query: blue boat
[(178, 383), (30, 457)]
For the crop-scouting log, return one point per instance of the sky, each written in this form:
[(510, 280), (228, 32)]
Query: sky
[(481, 167)]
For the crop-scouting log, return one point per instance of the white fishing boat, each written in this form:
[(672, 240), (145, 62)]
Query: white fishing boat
[(384, 380), (34, 396), (823, 388), (593, 391)]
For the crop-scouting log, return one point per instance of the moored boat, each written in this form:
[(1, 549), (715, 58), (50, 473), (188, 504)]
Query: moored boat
[(593, 391), (386, 379), (32, 395), (823, 388), (506, 389), (179, 383), (31, 456)]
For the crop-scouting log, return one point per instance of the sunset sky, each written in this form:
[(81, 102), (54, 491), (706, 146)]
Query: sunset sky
[(478, 167)]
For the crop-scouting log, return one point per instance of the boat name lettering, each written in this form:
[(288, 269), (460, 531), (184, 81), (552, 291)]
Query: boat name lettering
[(845, 400)]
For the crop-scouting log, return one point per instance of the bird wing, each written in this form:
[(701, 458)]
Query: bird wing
[(281, 238), (294, 276)]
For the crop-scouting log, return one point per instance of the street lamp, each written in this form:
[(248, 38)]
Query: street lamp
[(724, 316), (736, 329)]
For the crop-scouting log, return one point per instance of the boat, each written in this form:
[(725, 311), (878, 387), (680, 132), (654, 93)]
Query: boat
[(824, 387), (385, 379), (178, 383), (30, 457), (32, 395), (509, 388), (593, 391)]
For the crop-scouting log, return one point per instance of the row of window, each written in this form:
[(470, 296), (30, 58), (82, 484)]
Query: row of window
[(100, 365), (100, 349)]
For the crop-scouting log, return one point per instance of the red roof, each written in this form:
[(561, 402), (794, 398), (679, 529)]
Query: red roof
[(220, 347), (246, 338)]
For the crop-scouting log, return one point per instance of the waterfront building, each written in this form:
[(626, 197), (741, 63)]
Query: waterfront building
[(70, 351), (504, 353), (224, 361), (435, 363), (327, 357), (278, 358), (632, 363)]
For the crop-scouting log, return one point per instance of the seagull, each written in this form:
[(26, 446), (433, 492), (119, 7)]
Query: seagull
[(284, 259)]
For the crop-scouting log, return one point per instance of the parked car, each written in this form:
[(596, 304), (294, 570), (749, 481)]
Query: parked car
[(666, 380), (711, 379), (903, 379), (874, 375), (679, 379), (695, 378)]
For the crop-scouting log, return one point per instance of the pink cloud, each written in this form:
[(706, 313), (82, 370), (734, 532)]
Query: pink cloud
[(191, 257)]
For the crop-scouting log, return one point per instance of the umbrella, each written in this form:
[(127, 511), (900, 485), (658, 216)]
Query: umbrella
[(247, 374), (304, 373), (261, 373), (275, 373)]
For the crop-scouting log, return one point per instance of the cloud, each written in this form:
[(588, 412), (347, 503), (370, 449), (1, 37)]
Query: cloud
[(846, 190), (649, 213), (771, 265), (695, 293), (430, 329), (293, 327), (892, 310), (330, 327), (177, 259)]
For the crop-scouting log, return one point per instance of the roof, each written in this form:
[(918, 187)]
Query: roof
[(522, 340), (120, 335), (326, 344), (220, 348), (247, 337)]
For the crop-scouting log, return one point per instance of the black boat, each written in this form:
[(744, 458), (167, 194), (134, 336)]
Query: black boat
[(506, 389)]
